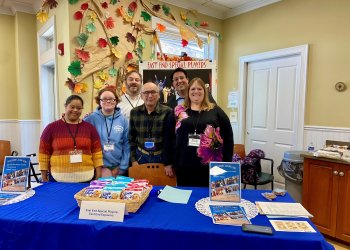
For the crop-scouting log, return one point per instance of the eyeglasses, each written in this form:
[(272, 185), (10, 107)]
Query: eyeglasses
[(75, 107), (130, 79), (147, 93), (107, 100), (179, 78)]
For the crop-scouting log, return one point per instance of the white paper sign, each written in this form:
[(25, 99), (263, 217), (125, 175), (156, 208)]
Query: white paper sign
[(232, 99), (107, 211)]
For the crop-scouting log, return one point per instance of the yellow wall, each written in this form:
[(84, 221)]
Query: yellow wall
[(8, 86), (322, 24), (27, 67)]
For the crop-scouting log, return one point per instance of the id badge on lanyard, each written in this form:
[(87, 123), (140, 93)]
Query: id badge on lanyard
[(149, 144), (108, 146), (194, 140), (76, 156)]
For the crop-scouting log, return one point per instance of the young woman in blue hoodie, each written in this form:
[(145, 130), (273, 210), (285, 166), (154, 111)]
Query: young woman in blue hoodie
[(113, 129)]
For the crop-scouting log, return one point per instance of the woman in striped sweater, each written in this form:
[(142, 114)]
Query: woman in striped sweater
[(70, 148)]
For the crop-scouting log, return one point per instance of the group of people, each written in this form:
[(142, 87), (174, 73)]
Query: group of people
[(185, 133)]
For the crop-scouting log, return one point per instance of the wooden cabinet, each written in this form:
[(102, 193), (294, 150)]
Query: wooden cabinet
[(326, 195)]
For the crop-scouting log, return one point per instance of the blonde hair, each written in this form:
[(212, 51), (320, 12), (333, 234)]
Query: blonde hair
[(206, 105)]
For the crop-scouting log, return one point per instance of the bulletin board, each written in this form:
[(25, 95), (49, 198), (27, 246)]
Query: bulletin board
[(160, 72)]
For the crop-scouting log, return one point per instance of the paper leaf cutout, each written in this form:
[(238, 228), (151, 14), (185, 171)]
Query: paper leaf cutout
[(116, 53), (42, 16), (84, 6), (153, 56), (142, 43), (90, 27), (78, 15), (52, 3), (183, 16), (80, 88), (184, 43), (204, 24), (104, 5), (156, 7), (75, 68), (82, 55), (98, 84), (186, 34), (188, 22), (196, 24), (114, 40), (139, 53), (92, 16), (161, 27), (102, 75), (70, 84), (219, 36), (112, 72), (109, 23), (120, 11), (82, 39), (145, 16), (129, 56), (130, 38), (113, 2), (139, 26), (73, 1), (132, 6), (166, 9), (102, 43)]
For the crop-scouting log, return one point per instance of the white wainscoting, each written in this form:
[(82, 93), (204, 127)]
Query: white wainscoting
[(24, 135), (318, 135)]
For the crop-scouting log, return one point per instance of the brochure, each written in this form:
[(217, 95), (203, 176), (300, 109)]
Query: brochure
[(228, 215), (292, 226), (7, 197), (282, 209), (225, 181), (15, 174)]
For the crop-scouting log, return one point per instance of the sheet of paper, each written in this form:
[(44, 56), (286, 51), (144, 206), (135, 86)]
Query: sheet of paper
[(175, 195), (282, 208), (292, 226)]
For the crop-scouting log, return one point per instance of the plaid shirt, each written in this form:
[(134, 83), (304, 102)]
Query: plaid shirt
[(159, 125)]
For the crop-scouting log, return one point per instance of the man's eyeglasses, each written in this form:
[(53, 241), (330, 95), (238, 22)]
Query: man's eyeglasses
[(147, 93), (108, 100), (179, 78), (130, 79)]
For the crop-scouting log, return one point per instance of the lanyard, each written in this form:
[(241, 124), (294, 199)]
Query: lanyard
[(110, 130), (195, 125), (130, 101), (71, 134)]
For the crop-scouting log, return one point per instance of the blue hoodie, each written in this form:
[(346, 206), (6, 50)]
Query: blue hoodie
[(118, 136)]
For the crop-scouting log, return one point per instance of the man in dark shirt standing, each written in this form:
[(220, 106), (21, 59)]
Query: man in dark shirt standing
[(152, 130), (180, 82)]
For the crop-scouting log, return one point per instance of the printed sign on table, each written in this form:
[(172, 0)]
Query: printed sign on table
[(15, 174), (225, 181)]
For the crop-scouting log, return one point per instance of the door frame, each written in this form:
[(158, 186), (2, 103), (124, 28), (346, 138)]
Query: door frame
[(301, 51)]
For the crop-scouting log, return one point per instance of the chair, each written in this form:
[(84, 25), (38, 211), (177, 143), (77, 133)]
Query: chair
[(32, 170), (154, 172), (259, 177)]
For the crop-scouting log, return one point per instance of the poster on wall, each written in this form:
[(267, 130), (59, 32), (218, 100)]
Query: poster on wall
[(160, 72)]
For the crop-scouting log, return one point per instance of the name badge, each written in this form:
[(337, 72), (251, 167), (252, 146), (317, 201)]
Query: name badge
[(108, 147), (149, 144), (76, 156), (194, 140)]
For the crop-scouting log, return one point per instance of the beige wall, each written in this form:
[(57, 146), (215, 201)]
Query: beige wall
[(322, 24), (8, 82), (27, 67)]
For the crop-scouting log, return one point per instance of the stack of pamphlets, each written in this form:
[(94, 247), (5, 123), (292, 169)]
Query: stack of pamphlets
[(282, 209), (228, 215)]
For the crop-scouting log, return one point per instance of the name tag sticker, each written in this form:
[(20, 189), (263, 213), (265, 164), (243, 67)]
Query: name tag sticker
[(99, 210), (149, 144), (108, 147), (76, 156), (194, 140)]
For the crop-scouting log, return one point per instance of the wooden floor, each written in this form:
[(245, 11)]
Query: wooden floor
[(337, 245)]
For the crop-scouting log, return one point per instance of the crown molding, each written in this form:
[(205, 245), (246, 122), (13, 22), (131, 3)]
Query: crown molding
[(249, 7), (12, 7)]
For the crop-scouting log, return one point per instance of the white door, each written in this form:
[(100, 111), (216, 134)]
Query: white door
[(272, 107)]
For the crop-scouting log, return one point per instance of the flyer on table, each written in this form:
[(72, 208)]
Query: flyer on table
[(15, 174), (228, 215), (225, 181)]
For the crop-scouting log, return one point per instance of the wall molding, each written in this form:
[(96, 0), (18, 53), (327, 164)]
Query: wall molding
[(327, 129)]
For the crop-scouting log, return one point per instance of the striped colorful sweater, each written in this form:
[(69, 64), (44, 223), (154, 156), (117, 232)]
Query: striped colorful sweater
[(55, 145)]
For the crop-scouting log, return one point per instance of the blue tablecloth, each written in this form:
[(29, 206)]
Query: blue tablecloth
[(49, 220)]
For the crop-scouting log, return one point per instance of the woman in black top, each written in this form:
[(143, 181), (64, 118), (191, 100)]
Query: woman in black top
[(203, 134)]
